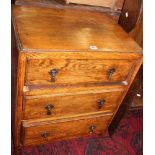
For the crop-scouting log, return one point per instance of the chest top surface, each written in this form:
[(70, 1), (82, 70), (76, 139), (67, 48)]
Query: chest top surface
[(48, 29)]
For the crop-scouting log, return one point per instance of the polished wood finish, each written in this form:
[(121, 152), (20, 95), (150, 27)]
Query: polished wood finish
[(94, 64), (35, 134), (137, 32), (90, 29), (130, 14), (48, 91), (77, 71), (70, 104)]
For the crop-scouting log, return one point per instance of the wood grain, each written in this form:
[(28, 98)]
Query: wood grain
[(76, 71), (70, 105), (40, 91), (18, 106), (90, 29), (61, 39), (63, 130)]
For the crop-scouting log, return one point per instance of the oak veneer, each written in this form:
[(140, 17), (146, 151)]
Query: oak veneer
[(36, 134), (66, 105), (72, 71), (60, 32), (83, 47)]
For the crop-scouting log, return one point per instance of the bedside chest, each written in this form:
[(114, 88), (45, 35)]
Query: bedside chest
[(71, 69)]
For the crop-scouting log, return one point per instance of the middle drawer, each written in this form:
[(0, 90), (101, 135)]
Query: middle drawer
[(58, 106)]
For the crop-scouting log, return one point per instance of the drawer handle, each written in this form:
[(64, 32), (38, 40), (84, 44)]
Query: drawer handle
[(49, 108), (45, 134), (53, 74), (92, 128), (111, 72), (101, 103)]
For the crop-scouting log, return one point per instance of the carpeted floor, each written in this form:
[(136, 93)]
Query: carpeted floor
[(127, 140)]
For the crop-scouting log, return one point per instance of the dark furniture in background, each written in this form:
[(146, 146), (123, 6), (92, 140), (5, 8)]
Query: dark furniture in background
[(131, 20), (133, 24)]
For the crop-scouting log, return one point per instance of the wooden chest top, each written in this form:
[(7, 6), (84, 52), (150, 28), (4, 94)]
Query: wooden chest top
[(48, 29)]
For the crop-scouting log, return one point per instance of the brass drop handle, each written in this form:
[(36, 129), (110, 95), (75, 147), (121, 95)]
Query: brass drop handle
[(101, 103), (45, 134), (111, 72), (49, 108), (53, 74), (92, 128)]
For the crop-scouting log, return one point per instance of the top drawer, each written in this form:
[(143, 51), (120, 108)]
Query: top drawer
[(77, 71)]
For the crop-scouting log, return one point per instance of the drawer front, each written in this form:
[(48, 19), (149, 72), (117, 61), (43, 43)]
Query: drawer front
[(60, 106), (68, 72), (43, 133)]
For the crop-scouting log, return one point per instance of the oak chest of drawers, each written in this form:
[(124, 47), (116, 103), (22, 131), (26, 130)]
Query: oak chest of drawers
[(71, 70)]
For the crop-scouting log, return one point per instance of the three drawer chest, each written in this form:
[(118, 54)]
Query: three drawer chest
[(71, 70)]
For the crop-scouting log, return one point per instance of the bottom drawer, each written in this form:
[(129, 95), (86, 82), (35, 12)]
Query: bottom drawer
[(43, 132)]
